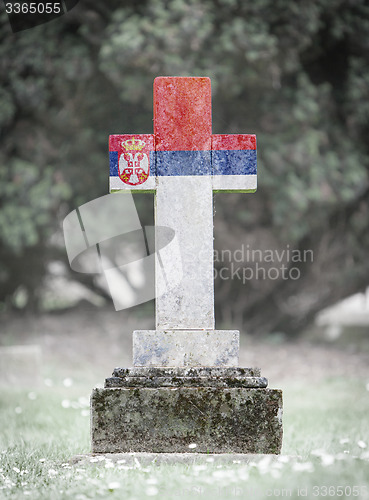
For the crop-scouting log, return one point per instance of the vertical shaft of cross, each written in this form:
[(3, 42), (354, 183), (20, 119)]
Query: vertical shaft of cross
[(185, 205), (184, 199)]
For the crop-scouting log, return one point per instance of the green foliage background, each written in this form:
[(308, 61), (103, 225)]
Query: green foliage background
[(294, 73)]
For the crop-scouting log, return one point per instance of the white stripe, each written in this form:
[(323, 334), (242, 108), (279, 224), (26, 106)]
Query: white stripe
[(117, 183), (220, 183), (234, 182)]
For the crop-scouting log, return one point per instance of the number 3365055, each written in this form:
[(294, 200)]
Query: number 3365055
[(33, 8)]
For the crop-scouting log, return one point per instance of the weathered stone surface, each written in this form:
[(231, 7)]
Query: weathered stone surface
[(236, 420), (234, 162), (255, 382), (192, 371), (185, 348), (191, 303), (182, 129)]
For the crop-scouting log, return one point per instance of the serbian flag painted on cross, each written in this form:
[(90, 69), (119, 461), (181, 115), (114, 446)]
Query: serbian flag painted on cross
[(183, 143)]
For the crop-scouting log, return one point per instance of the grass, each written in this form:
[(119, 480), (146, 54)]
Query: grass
[(325, 451)]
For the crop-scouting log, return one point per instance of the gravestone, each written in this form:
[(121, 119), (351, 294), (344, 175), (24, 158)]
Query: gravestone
[(185, 387)]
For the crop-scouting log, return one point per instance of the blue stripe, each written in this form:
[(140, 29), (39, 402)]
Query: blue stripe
[(177, 163), (239, 162), (113, 162), (152, 158), (174, 163)]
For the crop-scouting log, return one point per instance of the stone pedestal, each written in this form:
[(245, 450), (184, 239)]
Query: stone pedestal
[(166, 409), (186, 347)]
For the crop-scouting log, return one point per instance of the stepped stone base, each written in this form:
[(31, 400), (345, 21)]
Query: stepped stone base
[(161, 410)]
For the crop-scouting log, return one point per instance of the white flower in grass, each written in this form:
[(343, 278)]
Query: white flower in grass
[(121, 461), (109, 465), (192, 446), (277, 465), (225, 474), (303, 467), (361, 444), (114, 485), (52, 472), (341, 456), (275, 473), (152, 480), (318, 453), (83, 401), (152, 491), (67, 382), (199, 467), (65, 403), (264, 464), (18, 410), (243, 474), (32, 396), (327, 460), (94, 459), (26, 492), (15, 469), (344, 440), (85, 413), (219, 473), (42, 460)]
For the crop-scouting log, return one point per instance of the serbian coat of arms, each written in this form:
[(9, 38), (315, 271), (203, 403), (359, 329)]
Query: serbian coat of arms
[(133, 157)]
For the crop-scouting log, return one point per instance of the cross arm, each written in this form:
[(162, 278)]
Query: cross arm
[(234, 163), (132, 162)]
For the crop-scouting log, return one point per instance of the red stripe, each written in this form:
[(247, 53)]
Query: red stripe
[(115, 141), (182, 114), (233, 142)]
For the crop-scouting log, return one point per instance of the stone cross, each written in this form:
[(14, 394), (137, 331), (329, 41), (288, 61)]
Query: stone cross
[(185, 391), (184, 163)]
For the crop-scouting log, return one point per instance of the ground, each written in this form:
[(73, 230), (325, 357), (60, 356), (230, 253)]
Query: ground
[(326, 404)]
